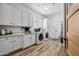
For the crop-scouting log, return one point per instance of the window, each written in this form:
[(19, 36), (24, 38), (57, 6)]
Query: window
[(37, 22), (40, 23), (45, 23)]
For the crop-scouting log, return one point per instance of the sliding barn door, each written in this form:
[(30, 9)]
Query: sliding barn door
[(73, 34)]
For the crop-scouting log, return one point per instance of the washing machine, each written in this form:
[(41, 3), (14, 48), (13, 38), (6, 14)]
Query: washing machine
[(39, 37)]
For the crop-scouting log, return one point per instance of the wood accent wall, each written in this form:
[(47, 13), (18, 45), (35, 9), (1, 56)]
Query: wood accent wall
[(73, 30)]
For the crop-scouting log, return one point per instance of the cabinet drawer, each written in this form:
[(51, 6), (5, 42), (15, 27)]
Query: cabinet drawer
[(10, 38), (1, 39)]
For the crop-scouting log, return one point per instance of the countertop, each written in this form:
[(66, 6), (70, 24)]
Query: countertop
[(15, 34)]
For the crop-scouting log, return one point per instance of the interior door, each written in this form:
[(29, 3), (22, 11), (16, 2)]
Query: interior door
[(73, 34)]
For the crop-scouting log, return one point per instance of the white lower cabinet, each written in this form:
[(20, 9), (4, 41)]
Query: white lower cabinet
[(17, 42), (28, 40), (32, 39), (10, 44), (5, 46)]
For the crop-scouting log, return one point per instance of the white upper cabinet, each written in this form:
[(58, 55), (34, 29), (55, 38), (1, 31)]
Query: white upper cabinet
[(28, 40), (17, 17), (7, 14), (10, 15), (30, 19), (25, 18), (0, 14)]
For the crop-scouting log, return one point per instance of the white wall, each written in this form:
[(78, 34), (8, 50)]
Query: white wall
[(54, 23)]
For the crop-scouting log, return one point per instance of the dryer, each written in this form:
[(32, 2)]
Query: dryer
[(39, 37), (46, 35)]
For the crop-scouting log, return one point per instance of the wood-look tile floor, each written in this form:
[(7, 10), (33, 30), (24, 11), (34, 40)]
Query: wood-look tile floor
[(47, 48)]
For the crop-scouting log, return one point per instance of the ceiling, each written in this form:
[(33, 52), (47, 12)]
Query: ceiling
[(45, 8)]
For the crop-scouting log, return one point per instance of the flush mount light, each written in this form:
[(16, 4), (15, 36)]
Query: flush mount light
[(46, 8), (38, 5)]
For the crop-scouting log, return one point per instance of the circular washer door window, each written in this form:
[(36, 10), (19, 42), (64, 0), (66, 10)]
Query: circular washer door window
[(40, 37)]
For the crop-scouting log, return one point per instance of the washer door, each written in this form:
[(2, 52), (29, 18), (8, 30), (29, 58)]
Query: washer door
[(47, 35), (40, 37)]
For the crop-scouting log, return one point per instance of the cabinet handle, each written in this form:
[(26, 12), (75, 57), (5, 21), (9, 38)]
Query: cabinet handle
[(14, 40), (10, 23), (6, 38), (11, 41), (30, 37)]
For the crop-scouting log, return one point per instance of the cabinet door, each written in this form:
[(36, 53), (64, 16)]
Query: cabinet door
[(17, 42), (17, 17), (32, 39), (7, 14), (30, 20), (0, 14), (25, 19), (5, 46), (26, 41)]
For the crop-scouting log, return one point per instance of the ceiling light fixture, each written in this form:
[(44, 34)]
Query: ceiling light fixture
[(46, 8)]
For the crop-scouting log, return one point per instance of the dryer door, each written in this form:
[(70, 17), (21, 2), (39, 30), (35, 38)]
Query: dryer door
[(47, 35), (41, 37)]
